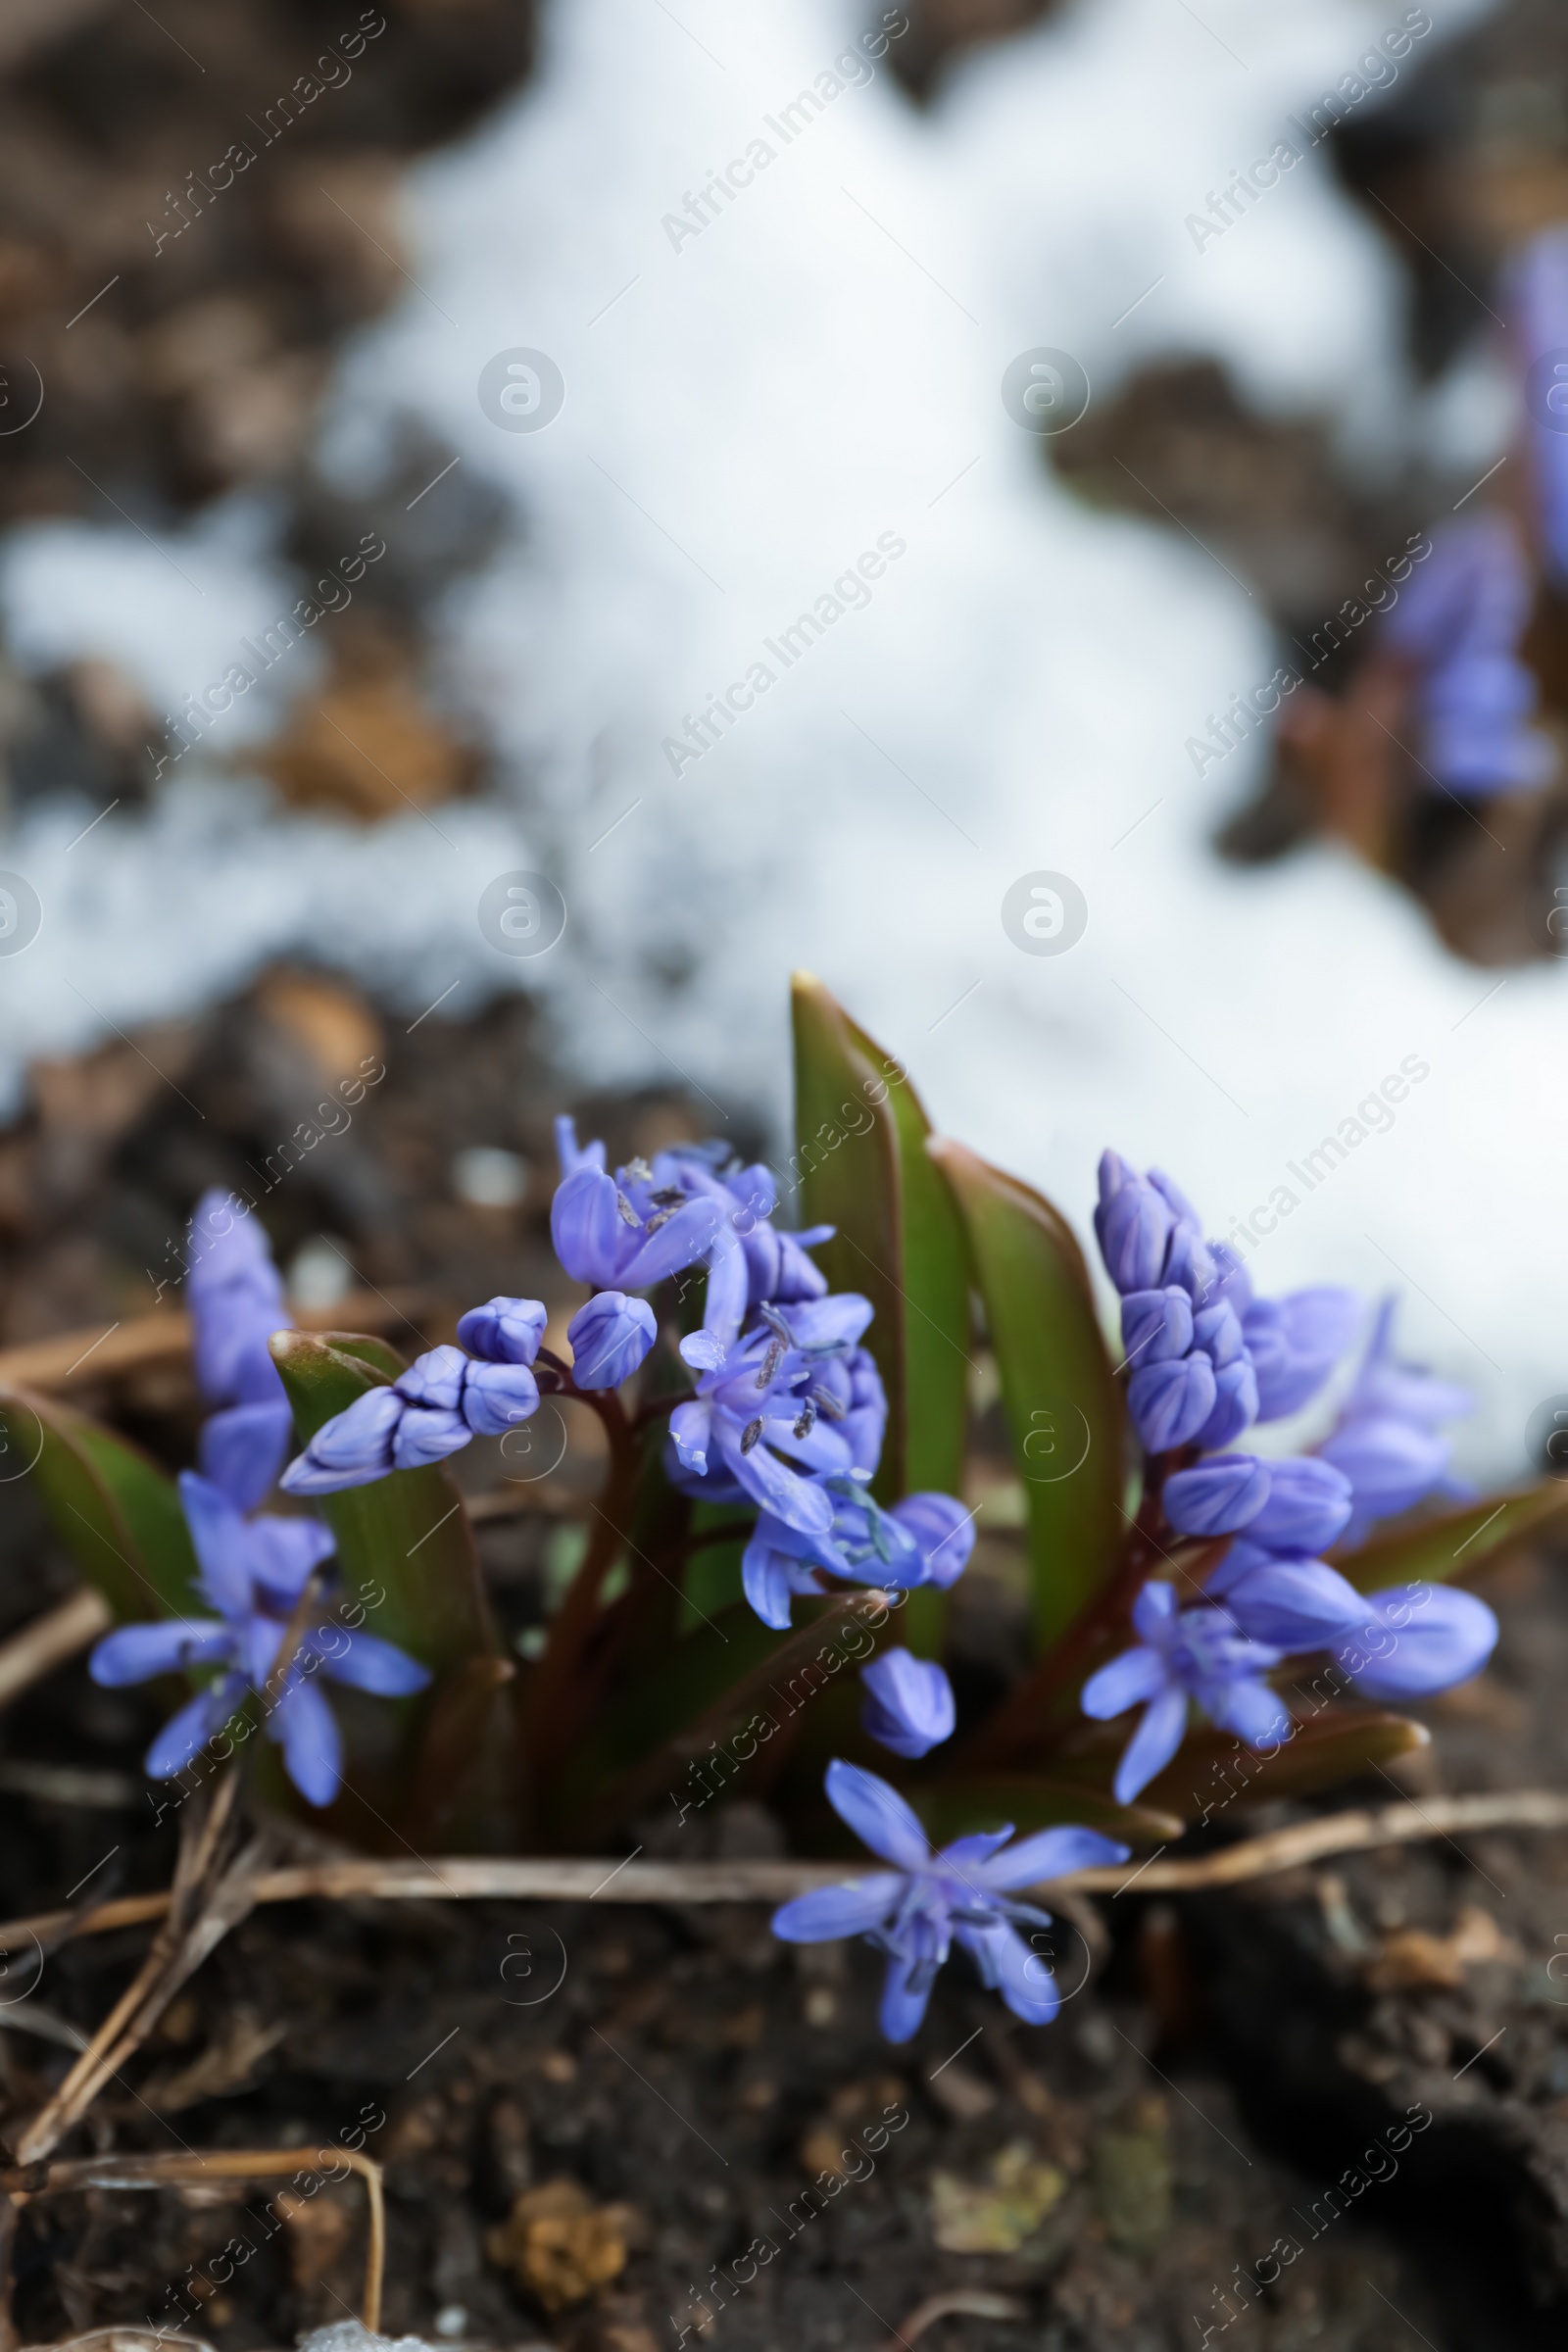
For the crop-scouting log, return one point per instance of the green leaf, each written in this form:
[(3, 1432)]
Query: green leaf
[(1452, 1545), (736, 1672), (118, 1514), (989, 1800), (1063, 1408), (861, 1166), (407, 1536)]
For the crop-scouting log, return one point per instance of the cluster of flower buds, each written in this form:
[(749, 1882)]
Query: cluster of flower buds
[(1271, 1594)]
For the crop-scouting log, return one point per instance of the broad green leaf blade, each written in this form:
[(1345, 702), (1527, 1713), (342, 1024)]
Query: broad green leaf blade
[(1063, 1408), (1452, 1545), (404, 1544), (861, 1165), (935, 1281), (846, 1166), (117, 1513), (989, 1800)]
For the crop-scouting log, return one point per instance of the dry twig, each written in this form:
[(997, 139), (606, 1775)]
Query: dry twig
[(49, 1641), (467, 1878)]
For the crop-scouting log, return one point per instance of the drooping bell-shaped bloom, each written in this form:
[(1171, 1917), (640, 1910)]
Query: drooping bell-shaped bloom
[(759, 1397), (1295, 1344), (441, 1402), (236, 1304), (253, 1572), (777, 1269), (1184, 1654), (504, 1331), (916, 1910), (1299, 1504), (1385, 1442), (1133, 1224), (924, 1539), (1288, 1600), (908, 1705), (614, 1231), (1171, 1403), (1411, 1641), (610, 1338)]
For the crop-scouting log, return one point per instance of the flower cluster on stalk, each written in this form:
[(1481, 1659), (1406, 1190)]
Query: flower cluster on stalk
[(786, 1416), (1207, 1359), (254, 1566)]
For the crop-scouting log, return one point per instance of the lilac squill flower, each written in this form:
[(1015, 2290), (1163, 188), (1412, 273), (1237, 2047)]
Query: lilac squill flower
[(1285, 1599), (236, 1304), (617, 1232), (1295, 1344), (777, 1267), (253, 1572), (759, 1397), (924, 1540), (610, 1338), (443, 1399), (1183, 1655), (1410, 1640), (908, 1704), (1385, 1442), (915, 1911), (1299, 1504)]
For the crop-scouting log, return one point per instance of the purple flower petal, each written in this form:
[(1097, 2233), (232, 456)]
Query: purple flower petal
[(218, 1534), (877, 1814), (943, 1532), (610, 1338), (186, 1733), (423, 1438), (1152, 1745), (1125, 1683), (1049, 1854), (680, 1242), (312, 1750), (586, 1225), (1416, 1640), (1235, 1404), (435, 1379), (351, 1449), (368, 1663), (134, 1653), (904, 2004), (1022, 1977), (241, 1451), (1309, 1503), (497, 1396), (504, 1331), (1294, 1605), (909, 1704), (829, 1912), (1170, 1403), (1156, 1326), (1218, 1496), (1250, 1709)]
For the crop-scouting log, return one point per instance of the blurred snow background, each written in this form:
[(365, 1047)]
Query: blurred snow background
[(744, 416)]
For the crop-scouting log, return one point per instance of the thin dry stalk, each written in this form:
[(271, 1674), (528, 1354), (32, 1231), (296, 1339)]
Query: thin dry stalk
[(49, 1641), (465, 1878), (199, 1838), (23, 2181)]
